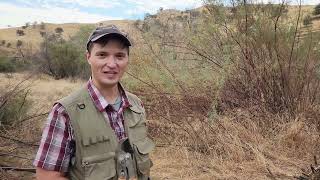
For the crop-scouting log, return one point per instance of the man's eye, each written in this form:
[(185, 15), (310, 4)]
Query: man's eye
[(120, 56), (101, 54)]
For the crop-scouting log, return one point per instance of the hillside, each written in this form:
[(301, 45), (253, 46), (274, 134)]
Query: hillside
[(32, 35), (33, 38)]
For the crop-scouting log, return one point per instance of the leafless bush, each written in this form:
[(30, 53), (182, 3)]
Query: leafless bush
[(259, 75), (20, 32), (13, 103), (274, 69), (17, 129)]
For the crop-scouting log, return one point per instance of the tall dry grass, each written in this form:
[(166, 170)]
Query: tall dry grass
[(19, 141), (239, 145)]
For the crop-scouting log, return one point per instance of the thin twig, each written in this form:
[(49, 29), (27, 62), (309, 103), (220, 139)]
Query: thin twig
[(34, 116), (9, 168), (12, 155), (19, 141)]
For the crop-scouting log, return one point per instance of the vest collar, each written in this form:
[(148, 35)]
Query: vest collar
[(100, 102), (133, 106)]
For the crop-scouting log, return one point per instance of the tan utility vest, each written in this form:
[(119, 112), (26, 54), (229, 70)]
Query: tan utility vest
[(96, 141)]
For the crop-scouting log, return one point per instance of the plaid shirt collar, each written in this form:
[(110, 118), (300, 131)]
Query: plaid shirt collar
[(100, 102)]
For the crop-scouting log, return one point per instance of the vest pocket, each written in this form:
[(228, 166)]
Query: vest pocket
[(142, 148), (99, 166), (137, 126)]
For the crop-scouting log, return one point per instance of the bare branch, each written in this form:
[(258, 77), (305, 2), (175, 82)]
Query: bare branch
[(19, 141)]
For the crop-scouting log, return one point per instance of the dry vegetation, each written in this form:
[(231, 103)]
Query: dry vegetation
[(224, 101), (243, 146)]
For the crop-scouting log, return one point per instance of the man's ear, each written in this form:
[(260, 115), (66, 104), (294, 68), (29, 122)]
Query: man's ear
[(88, 56)]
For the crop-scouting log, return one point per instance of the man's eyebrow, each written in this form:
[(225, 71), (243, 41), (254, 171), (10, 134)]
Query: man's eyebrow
[(101, 51)]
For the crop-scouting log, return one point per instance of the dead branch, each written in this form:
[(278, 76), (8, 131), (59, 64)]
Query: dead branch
[(295, 36), (271, 174), (19, 141), (16, 156), (10, 168), (34, 116)]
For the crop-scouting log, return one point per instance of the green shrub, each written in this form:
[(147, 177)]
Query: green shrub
[(81, 37), (13, 106), (307, 20), (19, 43), (66, 60), (62, 59), (20, 32), (58, 30), (316, 10), (7, 65)]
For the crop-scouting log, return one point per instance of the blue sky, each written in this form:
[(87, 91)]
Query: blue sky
[(18, 12)]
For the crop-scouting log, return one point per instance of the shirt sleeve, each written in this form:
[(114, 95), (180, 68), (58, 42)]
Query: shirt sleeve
[(55, 148)]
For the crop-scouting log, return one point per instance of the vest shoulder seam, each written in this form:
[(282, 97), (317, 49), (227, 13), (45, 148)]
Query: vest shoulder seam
[(73, 97), (133, 97)]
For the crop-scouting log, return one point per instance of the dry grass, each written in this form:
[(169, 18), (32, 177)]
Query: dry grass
[(245, 148)]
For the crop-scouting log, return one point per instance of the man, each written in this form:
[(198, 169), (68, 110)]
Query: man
[(82, 134)]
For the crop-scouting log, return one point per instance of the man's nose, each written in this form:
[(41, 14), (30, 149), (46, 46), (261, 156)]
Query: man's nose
[(112, 62)]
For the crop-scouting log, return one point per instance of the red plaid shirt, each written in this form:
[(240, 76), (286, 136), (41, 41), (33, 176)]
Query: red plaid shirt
[(57, 142)]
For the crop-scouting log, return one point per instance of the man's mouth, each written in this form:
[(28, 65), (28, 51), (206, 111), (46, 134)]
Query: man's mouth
[(110, 72)]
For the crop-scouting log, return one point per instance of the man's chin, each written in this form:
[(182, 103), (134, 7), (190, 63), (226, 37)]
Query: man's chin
[(109, 83)]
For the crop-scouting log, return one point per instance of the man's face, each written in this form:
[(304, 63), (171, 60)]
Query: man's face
[(108, 63)]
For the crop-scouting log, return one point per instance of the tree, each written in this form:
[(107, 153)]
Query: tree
[(58, 30), (307, 20), (42, 26), (61, 58), (147, 16), (34, 25), (316, 10), (8, 45), (20, 32), (3, 42), (19, 43), (42, 33), (81, 37)]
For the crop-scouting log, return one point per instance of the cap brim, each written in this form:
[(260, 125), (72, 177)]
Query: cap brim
[(112, 34)]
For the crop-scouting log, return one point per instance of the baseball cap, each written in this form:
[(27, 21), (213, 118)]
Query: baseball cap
[(112, 30)]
